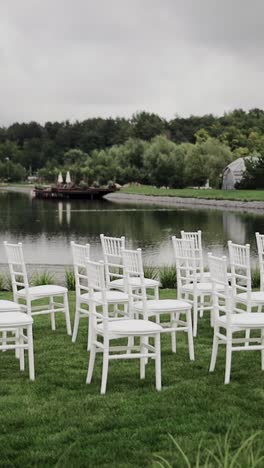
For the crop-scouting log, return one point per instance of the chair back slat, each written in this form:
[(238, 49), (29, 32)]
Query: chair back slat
[(196, 238), (17, 267), (80, 254), (185, 259), (112, 247), (222, 291), (240, 268), (260, 246), (95, 275), (133, 268)]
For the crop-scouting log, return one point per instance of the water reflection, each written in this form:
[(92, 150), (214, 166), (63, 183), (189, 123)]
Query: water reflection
[(46, 227)]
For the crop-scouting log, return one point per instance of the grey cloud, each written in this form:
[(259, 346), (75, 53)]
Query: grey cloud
[(76, 59)]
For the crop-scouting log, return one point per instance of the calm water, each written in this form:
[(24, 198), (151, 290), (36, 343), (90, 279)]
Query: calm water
[(47, 227)]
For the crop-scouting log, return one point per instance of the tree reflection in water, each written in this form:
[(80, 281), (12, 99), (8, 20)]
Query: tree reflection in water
[(46, 227)]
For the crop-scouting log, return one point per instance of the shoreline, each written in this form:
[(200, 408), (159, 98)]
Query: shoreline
[(183, 202)]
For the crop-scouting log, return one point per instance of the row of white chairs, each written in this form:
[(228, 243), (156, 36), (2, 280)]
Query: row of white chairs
[(94, 287), (122, 269)]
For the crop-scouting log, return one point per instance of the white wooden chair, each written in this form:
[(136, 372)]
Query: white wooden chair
[(241, 278), (112, 328), (156, 308), (189, 288), (114, 298), (228, 320), (260, 246), (25, 295), (79, 254), (112, 247), (196, 237), (16, 334), (243, 295)]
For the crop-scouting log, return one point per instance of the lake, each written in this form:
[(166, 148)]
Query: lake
[(46, 227)]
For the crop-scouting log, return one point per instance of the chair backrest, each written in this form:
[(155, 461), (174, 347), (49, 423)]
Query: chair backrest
[(17, 267), (196, 237), (80, 254), (222, 291), (96, 280), (185, 259), (240, 268), (133, 268), (260, 246), (112, 247)]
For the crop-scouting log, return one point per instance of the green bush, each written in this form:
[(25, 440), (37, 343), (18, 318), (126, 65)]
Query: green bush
[(42, 278), (70, 280), (255, 278), (167, 276), (150, 271)]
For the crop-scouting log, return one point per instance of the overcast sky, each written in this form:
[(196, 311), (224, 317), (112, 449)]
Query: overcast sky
[(74, 59)]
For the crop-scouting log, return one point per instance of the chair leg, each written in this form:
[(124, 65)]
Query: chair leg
[(91, 363), (142, 359), (130, 344), (262, 351), (174, 322), (214, 350), (21, 351), (105, 366), (17, 353), (157, 362), (190, 334), (247, 337), (52, 314), (89, 336), (201, 312), (76, 320), (4, 336), (195, 315), (30, 353), (228, 358), (67, 313)]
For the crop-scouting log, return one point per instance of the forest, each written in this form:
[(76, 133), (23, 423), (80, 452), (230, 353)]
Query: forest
[(145, 149)]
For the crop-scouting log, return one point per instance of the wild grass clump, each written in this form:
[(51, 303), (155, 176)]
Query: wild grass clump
[(225, 454), (42, 278), (151, 272), (70, 280), (255, 278), (2, 282), (167, 276)]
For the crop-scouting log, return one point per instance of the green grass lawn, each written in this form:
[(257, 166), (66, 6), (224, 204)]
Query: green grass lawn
[(242, 195), (60, 421)]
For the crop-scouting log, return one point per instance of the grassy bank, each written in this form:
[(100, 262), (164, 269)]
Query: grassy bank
[(241, 195), (60, 421)]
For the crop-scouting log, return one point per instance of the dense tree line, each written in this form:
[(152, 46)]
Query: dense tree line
[(145, 148)]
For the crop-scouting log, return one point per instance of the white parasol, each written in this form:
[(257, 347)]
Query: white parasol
[(60, 178), (68, 178)]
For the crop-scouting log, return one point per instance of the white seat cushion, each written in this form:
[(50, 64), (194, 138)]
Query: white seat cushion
[(255, 296), (43, 291), (14, 319), (131, 327), (163, 305), (112, 297), (149, 283), (245, 319), (118, 283), (205, 288), (9, 306)]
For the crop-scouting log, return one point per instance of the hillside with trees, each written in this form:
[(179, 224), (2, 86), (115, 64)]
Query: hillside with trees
[(145, 149)]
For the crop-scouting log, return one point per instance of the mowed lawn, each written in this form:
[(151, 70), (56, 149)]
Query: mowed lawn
[(60, 421), (240, 195)]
